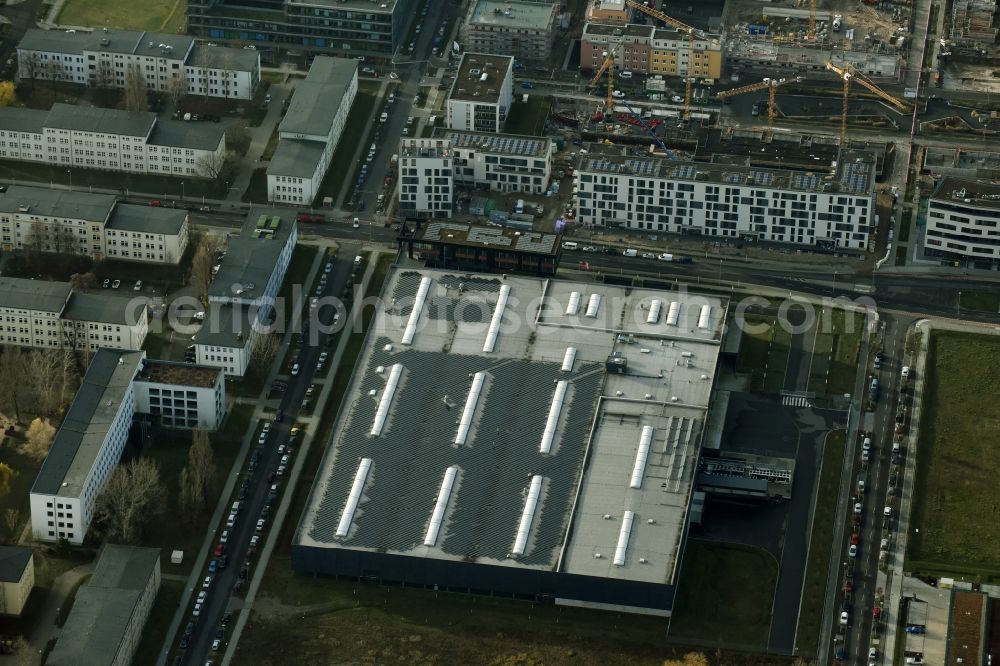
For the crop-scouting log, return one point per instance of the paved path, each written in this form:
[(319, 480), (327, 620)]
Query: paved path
[(45, 629), (259, 138), (307, 442)]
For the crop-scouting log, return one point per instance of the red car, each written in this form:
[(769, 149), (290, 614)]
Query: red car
[(855, 538), (848, 587), (309, 217), (155, 203), (220, 549), (877, 612)]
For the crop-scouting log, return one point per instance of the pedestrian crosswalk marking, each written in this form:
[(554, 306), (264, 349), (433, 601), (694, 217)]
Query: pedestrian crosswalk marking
[(795, 401)]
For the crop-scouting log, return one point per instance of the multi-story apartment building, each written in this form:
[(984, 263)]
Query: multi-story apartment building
[(310, 130), (113, 140), (482, 93), (834, 210), (49, 315), (611, 12), (963, 222), (17, 578), (107, 58), (91, 439), (499, 162), (351, 27), (106, 623), (643, 49), (520, 28), (426, 178), (94, 225), (241, 296)]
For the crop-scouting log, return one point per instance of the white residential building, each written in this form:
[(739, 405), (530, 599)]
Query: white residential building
[(499, 162), (104, 58), (482, 93), (50, 315), (112, 140), (310, 130), (91, 439), (17, 578), (963, 223), (95, 225), (426, 178), (731, 201), (241, 296)]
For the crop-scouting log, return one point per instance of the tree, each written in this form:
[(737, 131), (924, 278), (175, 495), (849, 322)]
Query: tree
[(217, 166), (30, 64), (38, 439), (11, 365), (201, 265), (11, 520), (83, 281), (7, 95), (237, 140), (7, 475), (196, 477), (264, 352), (690, 659), (136, 90), (176, 89), (133, 496)]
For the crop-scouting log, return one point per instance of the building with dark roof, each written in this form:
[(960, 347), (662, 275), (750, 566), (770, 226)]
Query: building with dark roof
[(487, 249), (106, 622), (481, 95), (310, 130), (113, 140), (17, 578), (516, 436), (103, 58)]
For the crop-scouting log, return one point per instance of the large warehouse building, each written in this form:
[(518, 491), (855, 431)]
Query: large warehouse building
[(518, 436)]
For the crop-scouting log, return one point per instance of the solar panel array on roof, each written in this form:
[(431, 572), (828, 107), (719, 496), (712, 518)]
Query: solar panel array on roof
[(642, 167), (498, 143), (435, 229), (762, 178), (805, 181), (529, 242), (854, 177), (487, 237), (732, 177), (599, 164), (683, 171)]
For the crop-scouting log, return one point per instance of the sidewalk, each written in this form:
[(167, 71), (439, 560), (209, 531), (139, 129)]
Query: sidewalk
[(307, 442), (46, 629), (259, 138)]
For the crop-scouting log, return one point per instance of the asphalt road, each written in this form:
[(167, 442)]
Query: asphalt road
[(222, 588)]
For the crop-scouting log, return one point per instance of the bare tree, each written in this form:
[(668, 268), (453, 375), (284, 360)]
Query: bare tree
[(133, 496), (103, 76), (136, 89), (42, 380), (35, 240), (201, 265), (38, 439), (30, 65), (264, 352), (176, 88), (70, 380), (10, 521), (83, 281), (7, 475), (196, 477), (215, 166), (237, 140), (54, 70), (11, 392)]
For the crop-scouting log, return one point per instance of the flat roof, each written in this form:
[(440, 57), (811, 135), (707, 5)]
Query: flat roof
[(38, 295), (99, 120), (225, 325), (85, 427), (381, 7), (186, 134), (630, 30), (296, 158), (106, 40), (855, 171), (224, 58), (13, 561), (513, 14), (967, 191), (500, 144), (147, 219), (460, 233), (251, 256), (317, 97), (44, 202), (178, 374), (15, 119), (469, 85), (102, 307), (584, 469)]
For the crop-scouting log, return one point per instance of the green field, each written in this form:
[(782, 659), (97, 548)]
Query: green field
[(846, 329), (725, 595), (985, 301), (168, 598), (814, 592), (342, 164), (151, 15), (956, 515), (528, 119)]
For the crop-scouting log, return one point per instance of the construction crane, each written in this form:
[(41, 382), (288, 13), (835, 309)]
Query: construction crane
[(607, 66), (771, 85), (812, 19), (847, 74), (682, 27)]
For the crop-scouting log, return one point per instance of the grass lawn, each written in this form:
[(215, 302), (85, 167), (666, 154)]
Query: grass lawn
[(814, 592), (777, 361), (151, 15), (725, 595), (527, 118), (257, 188), (343, 156), (985, 301), (846, 328), (131, 184), (157, 344), (295, 278), (905, 222), (26, 469), (900, 259), (955, 494), (168, 598)]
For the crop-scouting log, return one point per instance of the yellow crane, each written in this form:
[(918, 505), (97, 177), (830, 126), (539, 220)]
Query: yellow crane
[(812, 19), (682, 27), (771, 85), (608, 66), (847, 74)]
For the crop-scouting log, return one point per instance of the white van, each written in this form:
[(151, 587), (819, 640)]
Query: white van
[(626, 75), (519, 208), (570, 245), (630, 253)]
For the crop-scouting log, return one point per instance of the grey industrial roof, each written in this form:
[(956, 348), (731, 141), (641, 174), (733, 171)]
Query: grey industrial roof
[(470, 87), (513, 14), (147, 219), (101, 307), (224, 58), (459, 233), (99, 120), (500, 144), (22, 120), (43, 202), (95, 629), (118, 41), (39, 295), (13, 561), (318, 96), (592, 451), (967, 192), (83, 430), (251, 259), (181, 134), (296, 158), (225, 325)]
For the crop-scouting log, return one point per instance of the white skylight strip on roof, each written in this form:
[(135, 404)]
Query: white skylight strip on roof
[(593, 305), (418, 308), (470, 408), (386, 401), (347, 517), (444, 494), (639, 469), (555, 409), (573, 306), (491, 336), (623, 537), (528, 515), (673, 313), (705, 318), (569, 359), (654, 311)]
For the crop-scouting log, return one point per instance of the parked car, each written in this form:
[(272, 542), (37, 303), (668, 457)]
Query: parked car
[(116, 284), (107, 283), (295, 370), (207, 583), (220, 549), (212, 566)]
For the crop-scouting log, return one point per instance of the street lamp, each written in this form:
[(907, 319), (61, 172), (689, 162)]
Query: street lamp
[(958, 304), (182, 190), (70, 172)]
